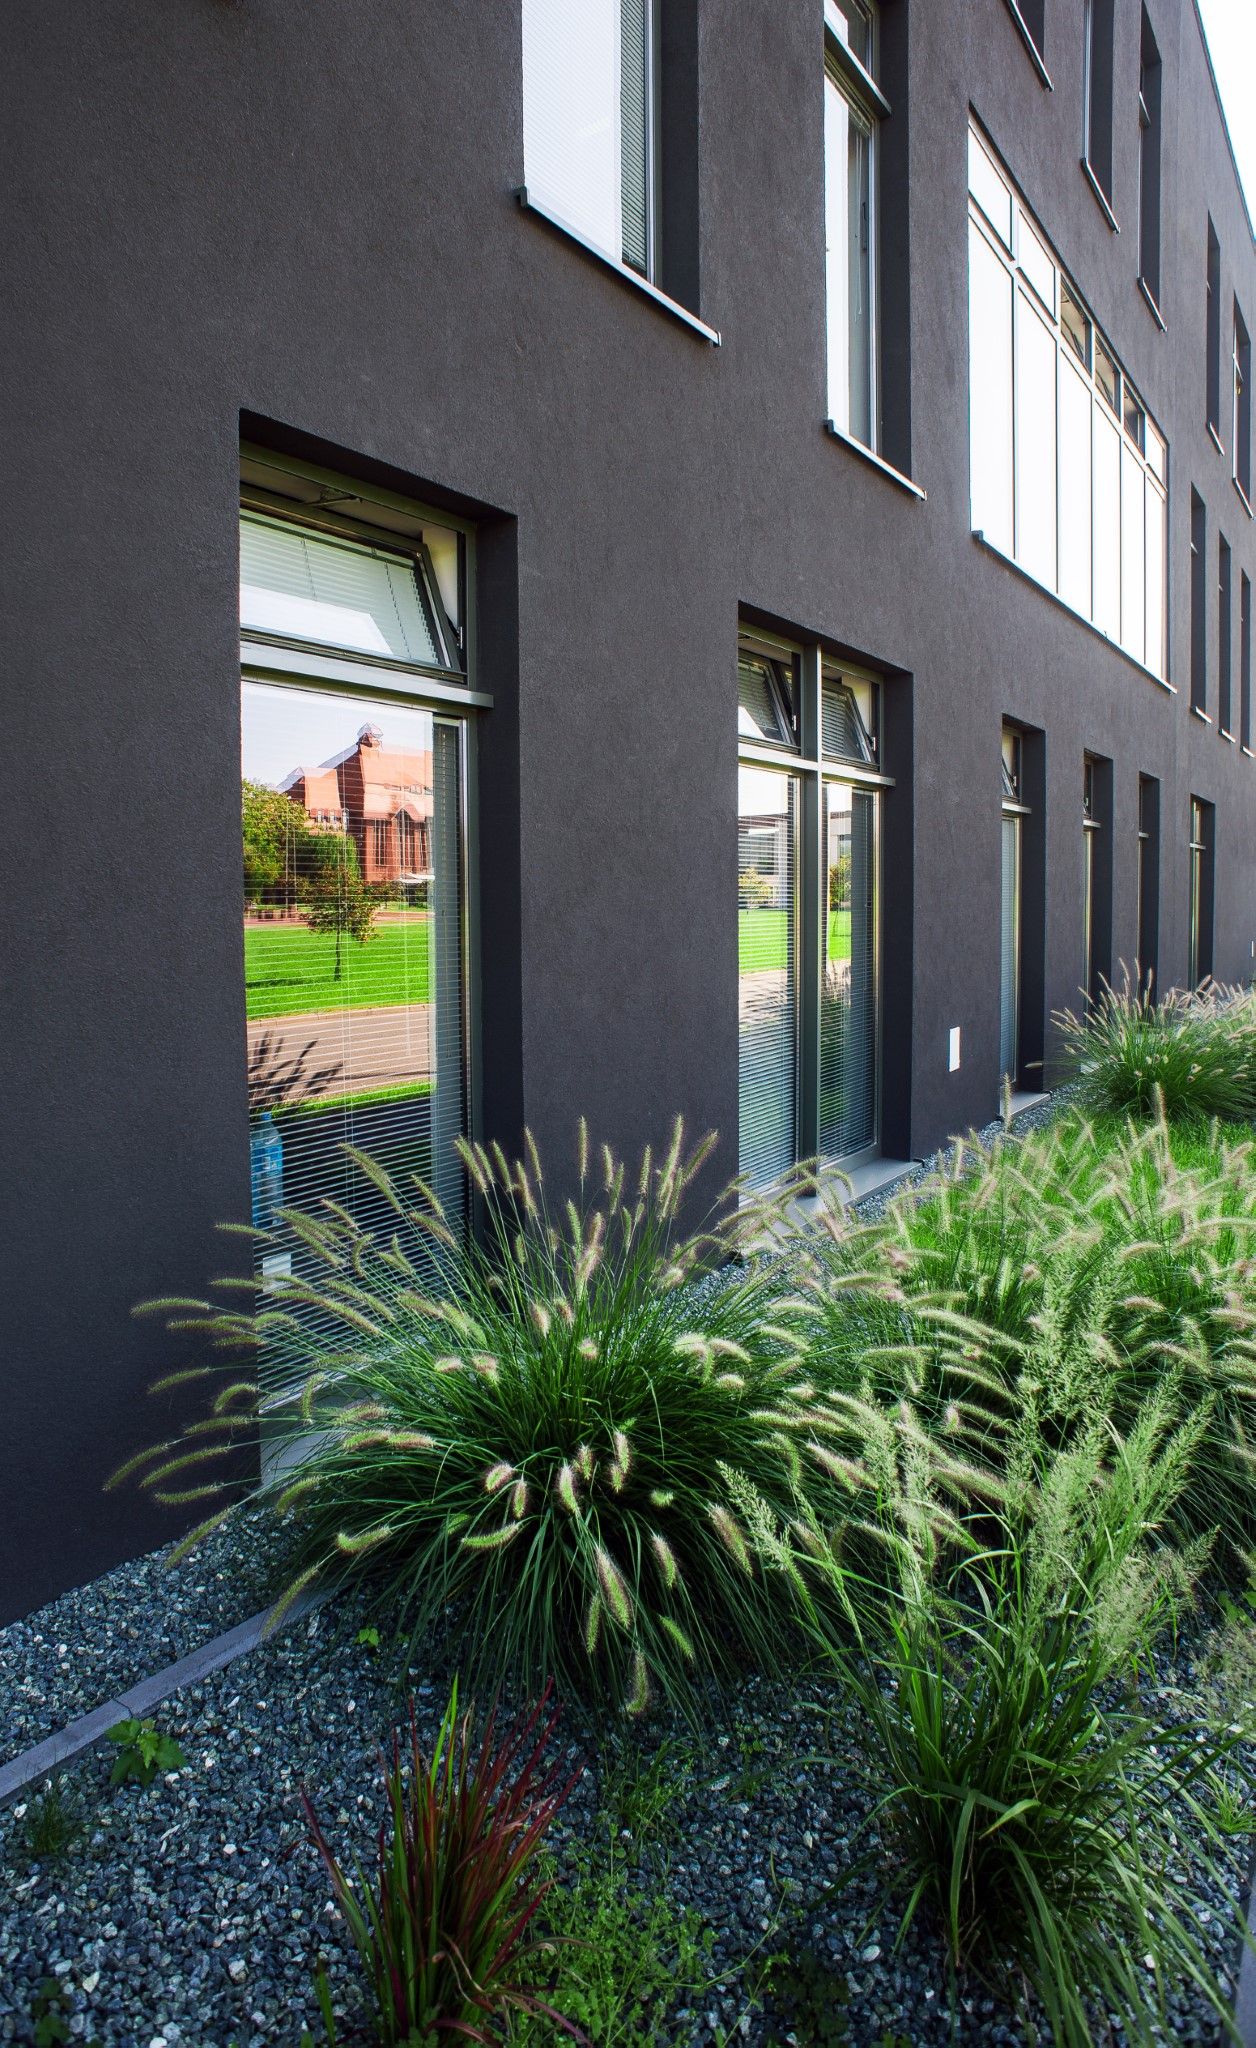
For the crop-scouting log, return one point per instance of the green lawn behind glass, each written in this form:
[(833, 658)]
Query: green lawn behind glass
[(763, 938), (289, 969)]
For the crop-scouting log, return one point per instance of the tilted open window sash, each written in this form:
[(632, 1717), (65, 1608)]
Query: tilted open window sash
[(320, 590)]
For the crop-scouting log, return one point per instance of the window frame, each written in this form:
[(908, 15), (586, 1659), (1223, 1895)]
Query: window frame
[(858, 86), (1241, 407)]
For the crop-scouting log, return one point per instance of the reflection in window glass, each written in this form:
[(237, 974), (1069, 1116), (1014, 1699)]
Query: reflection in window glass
[(1035, 444), (1107, 376), (767, 927), (1107, 526), (990, 391), (849, 279), (353, 953), (1133, 551), (848, 997), (1074, 324), (1155, 650)]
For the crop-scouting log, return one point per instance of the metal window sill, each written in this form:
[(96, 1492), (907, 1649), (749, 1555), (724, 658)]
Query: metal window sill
[(1035, 56), (1053, 597), (1101, 197), (870, 455), (1248, 751), (1217, 441), (529, 203), (1226, 735), (1203, 716), (1152, 305), (1245, 500)]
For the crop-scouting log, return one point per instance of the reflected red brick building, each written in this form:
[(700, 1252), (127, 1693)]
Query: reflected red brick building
[(382, 797)]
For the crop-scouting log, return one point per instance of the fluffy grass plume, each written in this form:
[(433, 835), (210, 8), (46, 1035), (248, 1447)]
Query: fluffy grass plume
[(1185, 1055)]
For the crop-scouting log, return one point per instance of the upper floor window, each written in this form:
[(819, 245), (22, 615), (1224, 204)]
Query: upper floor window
[(1241, 425), (327, 590), (590, 121), (1149, 76), (1097, 93), (1213, 333), (1068, 470), (853, 108)]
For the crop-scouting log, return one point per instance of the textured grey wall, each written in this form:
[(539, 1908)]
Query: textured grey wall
[(303, 214)]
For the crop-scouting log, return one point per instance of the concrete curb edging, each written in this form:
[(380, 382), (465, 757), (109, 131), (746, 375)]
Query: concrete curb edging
[(57, 1750), (1245, 1994)]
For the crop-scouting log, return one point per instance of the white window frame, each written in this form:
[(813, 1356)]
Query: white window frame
[(857, 84)]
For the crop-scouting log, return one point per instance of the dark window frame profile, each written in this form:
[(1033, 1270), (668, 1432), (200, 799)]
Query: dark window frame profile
[(1199, 607), (1202, 881), (1150, 77), (1245, 661), (1225, 601)]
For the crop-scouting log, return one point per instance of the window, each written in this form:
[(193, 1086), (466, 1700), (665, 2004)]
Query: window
[(808, 908), (1199, 621), (1245, 662), (1149, 76), (589, 121), (1097, 93), (1213, 334), (1199, 956), (354, 743), (1096, 876), (1223, 638), (1068, 469), (1242, 409), (1148, 881), (853, 106), (1011, 866)]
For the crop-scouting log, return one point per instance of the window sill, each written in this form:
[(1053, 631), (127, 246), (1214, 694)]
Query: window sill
[(1053, 597), (1035, 58), (532, 205), (1246, 501), (877, 461), (1216, 439), (1226, 735), (1202, 716), (1152, 307), (1101, 198), (1247, 750)]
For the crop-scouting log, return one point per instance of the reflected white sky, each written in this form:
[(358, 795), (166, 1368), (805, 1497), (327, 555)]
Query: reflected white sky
[(285, 729)]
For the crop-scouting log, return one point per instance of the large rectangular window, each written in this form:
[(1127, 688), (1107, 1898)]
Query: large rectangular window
[(590, 125), (1148, 881), (1149, 80), (354, 827), (1068, 471), (1224, 611), (808, 908), (1097, 93), (1241, 412), (853, 106), (1014, 813), (1199, 606), (1199, 944)]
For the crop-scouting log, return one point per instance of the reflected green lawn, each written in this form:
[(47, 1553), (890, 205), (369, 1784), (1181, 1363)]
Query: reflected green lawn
[(763, 938), (289, 969)]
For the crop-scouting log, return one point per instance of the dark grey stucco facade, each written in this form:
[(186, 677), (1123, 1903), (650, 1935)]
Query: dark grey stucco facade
[(235, 219)]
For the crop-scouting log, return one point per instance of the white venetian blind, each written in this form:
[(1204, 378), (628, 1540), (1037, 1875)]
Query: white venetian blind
[(313, 587), (1009, 947), (571, 114), (848, 1061)]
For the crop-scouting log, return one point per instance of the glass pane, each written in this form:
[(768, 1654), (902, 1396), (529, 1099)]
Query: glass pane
[(1107, 376), (352, 950), (634, 159), (1035, 442), (1157, 619), (848, 262), (1076, 408), (1009, 948), (763, 700), (851, 22), (1074, 323), (990, 391), (1133, 591), (313, 588), (844, 734), (767, 919), (571, 114), (986, 184), (1156, 451), (1107, 525), (1035, 259), (848, 1008)]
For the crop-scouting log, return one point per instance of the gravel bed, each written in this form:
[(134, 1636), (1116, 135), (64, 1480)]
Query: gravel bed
[(192, 1913), (97, 1640)]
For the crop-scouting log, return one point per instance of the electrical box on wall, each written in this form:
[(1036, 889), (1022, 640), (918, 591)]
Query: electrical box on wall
[(953, 1050)]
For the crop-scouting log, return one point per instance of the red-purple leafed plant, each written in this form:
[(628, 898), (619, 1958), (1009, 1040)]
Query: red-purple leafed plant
[(443, 1934)]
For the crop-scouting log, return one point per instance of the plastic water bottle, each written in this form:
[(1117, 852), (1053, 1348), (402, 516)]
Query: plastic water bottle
[(266, 1171)]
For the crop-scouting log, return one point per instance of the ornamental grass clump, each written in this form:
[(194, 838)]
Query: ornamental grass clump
[(538, 1456), (1052, 1279), (1183, 1055), (1029, 1810), (443, 1931)]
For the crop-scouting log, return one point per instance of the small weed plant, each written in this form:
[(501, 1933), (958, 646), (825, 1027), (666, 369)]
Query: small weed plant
[(51, 1824), (143, 1751), (443, 1931)]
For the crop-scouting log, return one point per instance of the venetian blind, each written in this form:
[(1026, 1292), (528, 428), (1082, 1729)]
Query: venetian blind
[(1009, 947), (768, 973), (571, 114), (848, 1061), (313, 587)]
